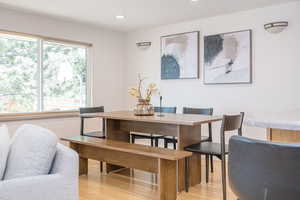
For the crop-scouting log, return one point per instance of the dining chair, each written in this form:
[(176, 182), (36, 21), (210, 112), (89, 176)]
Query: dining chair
[(262, 170), (196, 111), (89, 113), (154, 139), (220, 150)]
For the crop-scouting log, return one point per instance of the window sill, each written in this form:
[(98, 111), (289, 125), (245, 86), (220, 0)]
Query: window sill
[(38, 115)]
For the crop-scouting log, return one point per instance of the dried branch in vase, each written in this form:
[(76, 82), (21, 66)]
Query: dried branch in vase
[(143, 95)]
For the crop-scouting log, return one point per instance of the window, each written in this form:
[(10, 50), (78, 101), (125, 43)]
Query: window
[(38, 75), (64, 76)]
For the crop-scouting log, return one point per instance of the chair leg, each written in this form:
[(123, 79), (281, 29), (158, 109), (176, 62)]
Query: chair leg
[(156, 142), (152, 142), (132, 139), (224, 178), (101, 166), (207, 167), (81, 125), (187, 175), (165, 143), (174, 144), (211, 163)]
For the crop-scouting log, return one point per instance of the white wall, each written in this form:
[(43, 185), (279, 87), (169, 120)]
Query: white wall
[(276, 67), (108, 60), (117, 61)]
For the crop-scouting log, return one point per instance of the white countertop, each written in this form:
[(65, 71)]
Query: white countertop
[(284, 120)]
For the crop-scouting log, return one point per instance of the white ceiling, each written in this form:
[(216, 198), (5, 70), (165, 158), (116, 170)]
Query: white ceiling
[(139, 13)]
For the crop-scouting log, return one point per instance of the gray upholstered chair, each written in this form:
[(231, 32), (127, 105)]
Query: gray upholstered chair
[(260, 170), (38, 168)]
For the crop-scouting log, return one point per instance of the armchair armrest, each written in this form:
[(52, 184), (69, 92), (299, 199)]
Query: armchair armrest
[(66, 162)]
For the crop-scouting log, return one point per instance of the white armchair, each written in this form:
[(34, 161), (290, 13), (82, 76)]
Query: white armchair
[(60, 184)]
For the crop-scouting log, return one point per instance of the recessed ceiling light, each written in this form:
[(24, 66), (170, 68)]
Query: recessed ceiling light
[(120, 17), (194, 0)]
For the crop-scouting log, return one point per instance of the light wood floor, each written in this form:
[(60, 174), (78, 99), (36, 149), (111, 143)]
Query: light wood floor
[(137, 185)]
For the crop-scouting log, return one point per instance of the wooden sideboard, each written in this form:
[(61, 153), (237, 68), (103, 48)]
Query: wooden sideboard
[(280, 135), (281, 127)]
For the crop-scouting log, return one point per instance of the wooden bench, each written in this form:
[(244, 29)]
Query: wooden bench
[(146, 158)]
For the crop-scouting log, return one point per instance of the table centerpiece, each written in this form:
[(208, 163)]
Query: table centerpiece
[(143, 96)]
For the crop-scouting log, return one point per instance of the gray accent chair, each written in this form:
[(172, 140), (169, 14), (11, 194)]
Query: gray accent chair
[(261, 170)]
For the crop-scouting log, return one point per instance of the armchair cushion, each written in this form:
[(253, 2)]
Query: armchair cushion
[(4, 149), (32, 152)]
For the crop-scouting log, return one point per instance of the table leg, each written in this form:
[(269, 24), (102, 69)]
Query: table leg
[(83, 166), (167, 179), (113, 132), (188, 135), (83, 162)]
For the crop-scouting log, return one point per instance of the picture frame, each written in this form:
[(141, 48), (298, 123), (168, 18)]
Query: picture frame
[(180, 56), (228, 58)]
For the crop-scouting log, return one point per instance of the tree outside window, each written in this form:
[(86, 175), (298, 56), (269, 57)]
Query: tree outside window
[(56, 82)]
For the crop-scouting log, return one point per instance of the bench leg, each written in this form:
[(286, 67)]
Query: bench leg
[(167, 179), (83, 166)]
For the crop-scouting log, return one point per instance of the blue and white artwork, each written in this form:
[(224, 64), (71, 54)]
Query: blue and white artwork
[(180, 56), (227, 58)]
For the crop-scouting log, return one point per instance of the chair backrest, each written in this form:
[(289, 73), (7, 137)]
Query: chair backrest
[(198, 111), (230, 123), (91, 110), (165, 109), (261, 170)]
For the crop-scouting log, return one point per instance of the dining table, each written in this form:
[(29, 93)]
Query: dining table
[(185, 127)]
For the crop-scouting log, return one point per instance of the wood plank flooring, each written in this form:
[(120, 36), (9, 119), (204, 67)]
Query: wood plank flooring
[(138, 185)]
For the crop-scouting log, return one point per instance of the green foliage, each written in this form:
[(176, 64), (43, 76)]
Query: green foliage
[(64, 72), (18, 68), (64, 76)]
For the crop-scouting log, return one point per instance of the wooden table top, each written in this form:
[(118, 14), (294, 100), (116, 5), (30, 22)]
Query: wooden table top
[(167, 118), (155, 152)]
